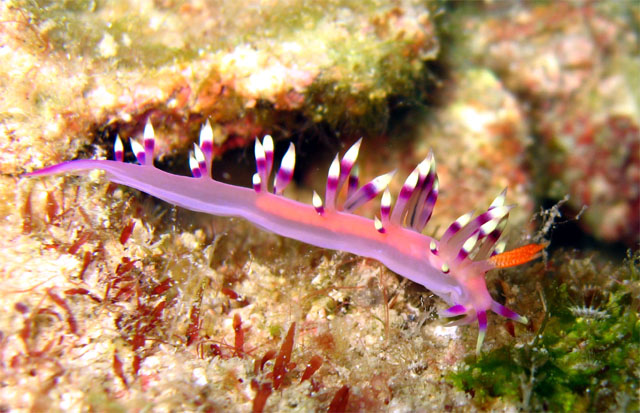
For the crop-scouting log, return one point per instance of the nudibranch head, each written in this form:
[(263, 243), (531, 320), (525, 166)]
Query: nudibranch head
[(476, 302), (467, 250)]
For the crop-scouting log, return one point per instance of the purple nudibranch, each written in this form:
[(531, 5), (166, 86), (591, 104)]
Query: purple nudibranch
[(453, 267)]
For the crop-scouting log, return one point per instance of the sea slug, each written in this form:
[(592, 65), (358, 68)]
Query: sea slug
[(453, 267)]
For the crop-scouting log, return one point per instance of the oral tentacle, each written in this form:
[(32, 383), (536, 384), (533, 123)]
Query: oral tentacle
[(453, 311), (482, 329), (467, 319), (508, 313)]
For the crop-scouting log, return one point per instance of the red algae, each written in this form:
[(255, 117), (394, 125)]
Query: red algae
[(283, 358), (263, 391), (126, 231), (118, 368), (71, 320), (340, 399), (52, 207), (267, 356), (163, 287), (82, 238), (193, 329), (239, 336), (27, 215), (312, 366), (87, 258)]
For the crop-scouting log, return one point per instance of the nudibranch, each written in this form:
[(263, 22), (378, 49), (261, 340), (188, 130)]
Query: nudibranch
[(453, 267)]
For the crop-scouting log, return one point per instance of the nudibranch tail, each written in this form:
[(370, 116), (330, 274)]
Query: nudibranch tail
[(453, 267)]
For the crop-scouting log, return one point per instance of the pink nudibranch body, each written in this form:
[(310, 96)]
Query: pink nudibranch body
[(445, 267)]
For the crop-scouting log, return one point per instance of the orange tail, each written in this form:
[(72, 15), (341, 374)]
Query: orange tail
[(518, 256)]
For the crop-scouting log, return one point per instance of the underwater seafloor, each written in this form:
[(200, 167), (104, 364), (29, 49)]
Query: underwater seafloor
[(113, 301)]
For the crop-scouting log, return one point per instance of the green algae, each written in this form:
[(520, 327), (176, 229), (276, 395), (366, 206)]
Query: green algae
[(585, 355), (98, 31)]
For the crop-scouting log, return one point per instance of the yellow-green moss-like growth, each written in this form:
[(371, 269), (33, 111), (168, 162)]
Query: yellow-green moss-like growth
[(586, 354)]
